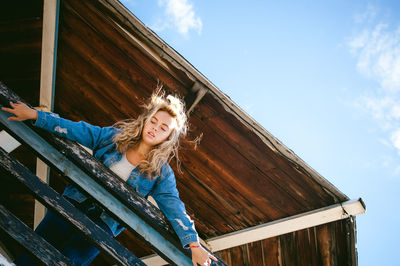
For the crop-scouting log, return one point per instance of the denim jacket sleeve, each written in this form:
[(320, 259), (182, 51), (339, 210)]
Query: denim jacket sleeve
[(86, 134), (167, 197)]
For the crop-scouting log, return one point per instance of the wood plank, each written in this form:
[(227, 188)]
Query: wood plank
[(306, 254), (351, 235), (51, 199), (225, 255), (271, 251), (255, 253), (289, 253), (343, 244), (326, 245), (239, 256), (42, 250)]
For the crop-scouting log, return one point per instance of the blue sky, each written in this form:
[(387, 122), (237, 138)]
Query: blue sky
[(321, 76)]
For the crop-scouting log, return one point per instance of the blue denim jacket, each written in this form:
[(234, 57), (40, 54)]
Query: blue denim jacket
[(100, 141)]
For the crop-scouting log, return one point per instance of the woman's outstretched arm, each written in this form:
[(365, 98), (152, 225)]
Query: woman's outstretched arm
[(167, 197), (84, 133)]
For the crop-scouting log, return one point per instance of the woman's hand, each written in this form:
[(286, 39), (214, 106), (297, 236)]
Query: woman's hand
[(200, 255), (21, 111)]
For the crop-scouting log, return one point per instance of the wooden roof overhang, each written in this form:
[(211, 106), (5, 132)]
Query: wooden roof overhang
[(108, 62)]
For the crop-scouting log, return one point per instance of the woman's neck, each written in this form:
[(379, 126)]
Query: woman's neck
[(137, 154)]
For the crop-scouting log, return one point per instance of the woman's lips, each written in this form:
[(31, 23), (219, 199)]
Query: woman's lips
[(151, 134)]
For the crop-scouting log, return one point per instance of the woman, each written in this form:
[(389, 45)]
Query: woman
[(137, 151)]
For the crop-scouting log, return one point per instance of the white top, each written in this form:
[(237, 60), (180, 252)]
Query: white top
[(123, 168)]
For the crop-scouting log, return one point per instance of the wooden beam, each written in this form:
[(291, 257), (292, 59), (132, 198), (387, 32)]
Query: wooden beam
[(47, 83), (42, 250), (49, 52), (195, 95), (287, 225)]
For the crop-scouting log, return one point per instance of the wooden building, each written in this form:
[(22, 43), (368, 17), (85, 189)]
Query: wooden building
[(254, 202)]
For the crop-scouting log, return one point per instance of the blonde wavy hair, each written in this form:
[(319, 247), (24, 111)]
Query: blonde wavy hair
[(131, 132)]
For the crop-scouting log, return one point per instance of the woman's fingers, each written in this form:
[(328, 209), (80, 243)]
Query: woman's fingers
[(13, 105), (7, 109), (19, 110), (10, 110)]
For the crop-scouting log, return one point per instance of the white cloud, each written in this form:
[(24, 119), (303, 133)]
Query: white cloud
[(180, 14), (395, 138), (377, 50), (396, 111), (367, 16)]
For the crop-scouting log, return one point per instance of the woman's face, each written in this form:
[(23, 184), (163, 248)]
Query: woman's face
[(158, 128)]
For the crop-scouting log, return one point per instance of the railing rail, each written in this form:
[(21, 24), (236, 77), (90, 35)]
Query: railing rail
[(25, 236)]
